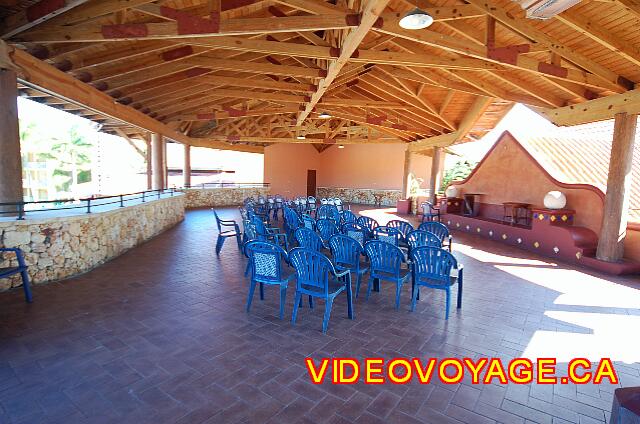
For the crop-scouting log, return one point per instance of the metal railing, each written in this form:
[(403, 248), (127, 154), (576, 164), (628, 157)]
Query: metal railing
[(21, 208)]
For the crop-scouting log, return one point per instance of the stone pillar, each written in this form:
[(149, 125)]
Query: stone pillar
[(186, 169), (616, 203), (406, 186), (10, 159), (157, 162), (434, 181), (149, 165)]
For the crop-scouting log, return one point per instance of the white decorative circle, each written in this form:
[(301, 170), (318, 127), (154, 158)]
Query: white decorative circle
[(519, 240), (490, 233), (555, 200), (555, 249)]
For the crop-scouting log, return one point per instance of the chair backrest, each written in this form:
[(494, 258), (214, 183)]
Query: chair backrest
[(261, 200), (309, 222), (217, 221), (260, 227), (387, 235), (251, 232), (323, 201), (348, 216), (308, 239), (345, 250), (427, 207), (368, 224), (326, 228), (356, 232), (266, 260), (384, 257), (437, 228), (243, 213), (403, 226), (291, 219), (433, 264), (312, 269), (421, 238)]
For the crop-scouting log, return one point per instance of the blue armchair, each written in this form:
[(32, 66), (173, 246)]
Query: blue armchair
[(20, 269), (440, 230), (224, 233), (386, 265), (347, 254), (266, 269)]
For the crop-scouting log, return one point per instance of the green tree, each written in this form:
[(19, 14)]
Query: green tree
[(459, 171)]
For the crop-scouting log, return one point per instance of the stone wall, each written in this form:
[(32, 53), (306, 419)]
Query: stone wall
[(228, 196), (363, 196), (61, 247)]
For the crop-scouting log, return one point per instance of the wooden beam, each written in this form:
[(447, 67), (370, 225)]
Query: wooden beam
[(234, 114), (474, 113), (616, 203), (94, 9), (46, 78), (595, 110), (593, 30), (370, 14), (34, 15), (255, 83), (293, 140), (523, 26), (255, 67), (174, 30)]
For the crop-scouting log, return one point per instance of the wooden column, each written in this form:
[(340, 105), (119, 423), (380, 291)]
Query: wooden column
[(186, 169), (149, 165), (616, 204), (10, 159), (406, 186), (434, 181), (157, 162)]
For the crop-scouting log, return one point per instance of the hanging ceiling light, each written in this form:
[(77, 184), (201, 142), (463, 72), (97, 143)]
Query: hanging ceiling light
[(301, 137), (341, 146), (324, 115), (416, 19)]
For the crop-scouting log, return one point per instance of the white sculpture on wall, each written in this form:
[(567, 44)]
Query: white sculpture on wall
[(555, 200)]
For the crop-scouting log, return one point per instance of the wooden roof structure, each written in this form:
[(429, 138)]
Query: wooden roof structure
[(242, 74)]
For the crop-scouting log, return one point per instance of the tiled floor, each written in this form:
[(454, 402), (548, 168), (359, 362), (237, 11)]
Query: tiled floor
[(160, 335)]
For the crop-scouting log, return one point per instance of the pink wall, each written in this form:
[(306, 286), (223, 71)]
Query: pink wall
[(286, 165), (372, 166)]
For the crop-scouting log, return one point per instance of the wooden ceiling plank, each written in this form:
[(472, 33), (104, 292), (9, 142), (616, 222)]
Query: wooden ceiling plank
[(595, 110), (35, 15)]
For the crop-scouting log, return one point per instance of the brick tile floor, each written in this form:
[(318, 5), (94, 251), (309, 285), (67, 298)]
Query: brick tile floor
[(160, 335)]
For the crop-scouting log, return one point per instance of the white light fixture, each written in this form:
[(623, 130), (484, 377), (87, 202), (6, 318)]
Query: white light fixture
[(301, 137), (324, 115), (340, 146), (416, 19)]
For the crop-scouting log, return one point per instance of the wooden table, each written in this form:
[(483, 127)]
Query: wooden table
[(512, 212)]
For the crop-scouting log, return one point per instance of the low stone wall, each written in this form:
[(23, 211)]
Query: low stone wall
[(363, 196), (227, 196), (61, 247)]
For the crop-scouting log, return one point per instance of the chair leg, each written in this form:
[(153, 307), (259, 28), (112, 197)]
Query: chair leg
[(350, 312), (239, 240), (296, 305), (219, 244), (358, 281), (369, 287), (252, 289), (414, 297), (327, 314), (310, 302), (283, 299), (398, 291), (26, 287), (246, 271), (261, 291), (460, 293), (447, 303)]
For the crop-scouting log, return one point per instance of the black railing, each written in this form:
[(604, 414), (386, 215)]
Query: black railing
[(21, 208)]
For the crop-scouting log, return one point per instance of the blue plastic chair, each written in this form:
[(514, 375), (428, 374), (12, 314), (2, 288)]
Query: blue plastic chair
[(421, 238), (440, 230), (355, 231), (386, 264), (403, 226), (437, 269), (224, 234), (347, 254), (317, 277), (328, 212), (266, 269), (368, 224), (308, 222), (326, 228), (20, 269), (348, 217), (430, 212), (388, 235), (272, 234), (308, 239), (291, 221)]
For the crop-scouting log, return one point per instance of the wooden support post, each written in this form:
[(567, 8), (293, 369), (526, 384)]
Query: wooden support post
[(157, 163), (186, 169), (616, 204), (434, 181), (406, 185), (10, 159), (165, 168), (149, 159)]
